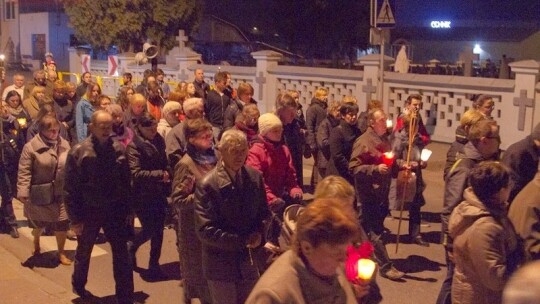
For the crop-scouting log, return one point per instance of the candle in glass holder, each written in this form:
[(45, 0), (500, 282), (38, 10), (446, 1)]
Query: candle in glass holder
[(389, 124), (366, 268), (22, 122), (388, 158), (426, 153)]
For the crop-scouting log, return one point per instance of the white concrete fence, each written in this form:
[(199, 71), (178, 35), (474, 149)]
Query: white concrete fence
[(445, 98)]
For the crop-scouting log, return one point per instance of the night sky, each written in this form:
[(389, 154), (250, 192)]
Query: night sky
[(418, 12)]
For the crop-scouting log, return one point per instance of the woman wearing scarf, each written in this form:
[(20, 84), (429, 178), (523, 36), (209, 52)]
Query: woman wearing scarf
[(150, 184), (14, 107), (199, 160), (42, 163)]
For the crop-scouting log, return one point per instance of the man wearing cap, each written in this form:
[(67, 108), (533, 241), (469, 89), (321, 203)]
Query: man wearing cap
[(522, 159)]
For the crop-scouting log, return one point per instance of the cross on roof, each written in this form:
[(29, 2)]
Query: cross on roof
[(182, 39), (523, 103), (260, 80), (369, 89)]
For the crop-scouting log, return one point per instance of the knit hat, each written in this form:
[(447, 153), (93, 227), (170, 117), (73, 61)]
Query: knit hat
[(267, 122), (535, 134), (170, 106)]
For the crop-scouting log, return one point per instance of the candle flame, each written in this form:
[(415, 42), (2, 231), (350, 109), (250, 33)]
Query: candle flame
[(366, 268)]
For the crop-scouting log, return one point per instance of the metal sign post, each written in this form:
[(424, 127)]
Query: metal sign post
[(381, 20)]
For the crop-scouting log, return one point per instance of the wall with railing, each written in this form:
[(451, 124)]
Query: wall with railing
[(445, 98)]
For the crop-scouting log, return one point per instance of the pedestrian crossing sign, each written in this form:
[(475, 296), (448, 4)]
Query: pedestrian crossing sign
[(385, 18)]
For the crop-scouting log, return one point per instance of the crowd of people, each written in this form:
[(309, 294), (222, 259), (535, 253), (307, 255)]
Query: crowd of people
[(82, 162)]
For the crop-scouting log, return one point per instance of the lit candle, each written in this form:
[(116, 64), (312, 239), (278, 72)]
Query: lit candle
[(366, 267), (389, 123), (388, 158), (22, 122), (424, 156)]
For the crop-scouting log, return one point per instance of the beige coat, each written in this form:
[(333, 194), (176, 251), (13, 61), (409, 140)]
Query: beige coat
[(36, 166), (525, 216), (186, 174), (32, 106), (485, 251), (282, 284)]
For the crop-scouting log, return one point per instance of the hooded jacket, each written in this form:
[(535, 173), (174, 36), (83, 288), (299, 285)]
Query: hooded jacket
[(485, 251)]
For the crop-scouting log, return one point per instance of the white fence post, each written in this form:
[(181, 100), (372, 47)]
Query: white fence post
[(527, 108), (266, 82)]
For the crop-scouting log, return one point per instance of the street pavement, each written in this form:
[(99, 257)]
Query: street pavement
[(26, 279)]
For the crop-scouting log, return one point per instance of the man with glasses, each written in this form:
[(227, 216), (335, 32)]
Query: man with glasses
[(484, 141)]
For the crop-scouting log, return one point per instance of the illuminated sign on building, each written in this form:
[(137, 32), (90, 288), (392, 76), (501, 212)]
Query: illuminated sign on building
[(441, 24)]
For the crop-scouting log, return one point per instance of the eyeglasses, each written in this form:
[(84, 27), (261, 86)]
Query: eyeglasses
[(497, 137)]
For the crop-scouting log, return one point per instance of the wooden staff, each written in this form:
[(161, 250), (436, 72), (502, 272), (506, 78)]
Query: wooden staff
[(413, 129)]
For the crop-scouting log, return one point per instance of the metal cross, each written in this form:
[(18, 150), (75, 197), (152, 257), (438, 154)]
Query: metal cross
[(523, 103)]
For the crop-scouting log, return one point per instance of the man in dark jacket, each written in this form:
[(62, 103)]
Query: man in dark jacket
[(216, 103), (150, 187), (229, 213), (372, 177), (341, 142), (522, 159), (315, 114), (201, 87), (484, 141), (97, 196)]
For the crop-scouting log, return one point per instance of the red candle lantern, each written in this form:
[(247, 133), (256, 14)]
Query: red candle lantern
[(388, 158)]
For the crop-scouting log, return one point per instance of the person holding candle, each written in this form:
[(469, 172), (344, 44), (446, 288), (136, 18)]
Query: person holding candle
[(312, 271), (230, 212), (407, 145), (15, 108), (336, 187), (371, 165)]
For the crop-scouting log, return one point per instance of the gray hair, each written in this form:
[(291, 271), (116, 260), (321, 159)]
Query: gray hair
[(233, 139)]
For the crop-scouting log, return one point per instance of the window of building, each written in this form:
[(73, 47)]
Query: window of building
[(10, 10)]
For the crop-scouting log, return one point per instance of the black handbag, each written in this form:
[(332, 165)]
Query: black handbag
[(42, 194)]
